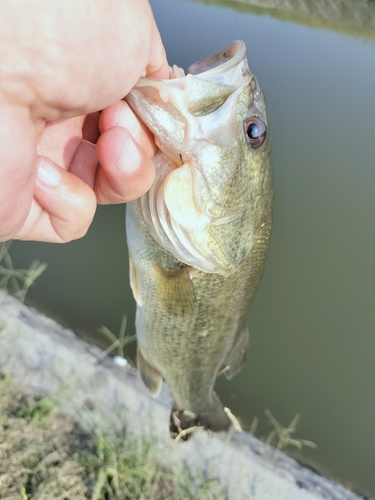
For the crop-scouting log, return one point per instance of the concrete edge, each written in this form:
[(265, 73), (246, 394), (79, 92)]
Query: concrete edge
[(45, 358)]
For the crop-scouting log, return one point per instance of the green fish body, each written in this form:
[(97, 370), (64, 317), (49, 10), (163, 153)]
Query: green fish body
[(198, 239)]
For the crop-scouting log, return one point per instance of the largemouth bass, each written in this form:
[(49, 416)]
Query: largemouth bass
[(198, 239)]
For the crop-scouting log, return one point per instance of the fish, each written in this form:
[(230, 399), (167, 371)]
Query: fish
[(198, 238)]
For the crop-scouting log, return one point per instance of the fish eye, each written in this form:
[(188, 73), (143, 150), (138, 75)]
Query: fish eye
[(256, 131)]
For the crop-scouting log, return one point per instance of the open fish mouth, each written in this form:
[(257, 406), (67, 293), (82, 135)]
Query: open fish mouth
[(194, 119), (168, 107), (227, 58)]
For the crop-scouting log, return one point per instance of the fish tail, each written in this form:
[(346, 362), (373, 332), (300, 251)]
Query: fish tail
[(215, 421), (213, 417)]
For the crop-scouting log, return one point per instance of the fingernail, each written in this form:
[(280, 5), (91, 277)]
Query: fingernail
[(130, 158), (128, 120), (48, 173)]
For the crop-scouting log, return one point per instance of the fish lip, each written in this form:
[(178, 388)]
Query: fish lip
[(220, 62)]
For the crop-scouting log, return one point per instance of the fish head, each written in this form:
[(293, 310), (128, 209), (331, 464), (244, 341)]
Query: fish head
[(211, 128)]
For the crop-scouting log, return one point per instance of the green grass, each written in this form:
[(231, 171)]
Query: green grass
[(45, 455), (281, 436), (118, 342), (17, 281)]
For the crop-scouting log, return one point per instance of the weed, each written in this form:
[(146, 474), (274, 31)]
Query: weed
[(283, 435), (118, 342), (17, 281), (45, 455), (126, 469), (37, 410)]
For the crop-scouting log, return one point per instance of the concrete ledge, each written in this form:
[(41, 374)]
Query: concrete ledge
[(45, 358)]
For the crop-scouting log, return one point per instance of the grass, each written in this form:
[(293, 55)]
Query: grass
[(17, 281), (117, 341), (283, 435), (37, 458), (45, 455)]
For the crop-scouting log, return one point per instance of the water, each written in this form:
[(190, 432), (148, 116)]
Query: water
[(312, 322)]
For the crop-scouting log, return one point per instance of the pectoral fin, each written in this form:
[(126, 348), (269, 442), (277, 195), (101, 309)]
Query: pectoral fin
[(175, 290), (237, 355), (151, 377)]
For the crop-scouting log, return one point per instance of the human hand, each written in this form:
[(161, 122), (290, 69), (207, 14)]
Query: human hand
[(59, 64)]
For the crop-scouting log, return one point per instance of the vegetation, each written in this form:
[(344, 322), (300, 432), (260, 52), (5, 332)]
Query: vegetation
[(45, 455), (17, 281), (283, 435)]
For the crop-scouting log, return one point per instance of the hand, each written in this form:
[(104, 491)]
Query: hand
[(61, 62)]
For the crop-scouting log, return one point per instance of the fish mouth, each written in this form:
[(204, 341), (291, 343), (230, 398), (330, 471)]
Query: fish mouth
[(169, 107), (222, 61), (180, 206)]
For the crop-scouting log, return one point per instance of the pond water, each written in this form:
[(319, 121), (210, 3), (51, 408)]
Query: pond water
[(312, 322)]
